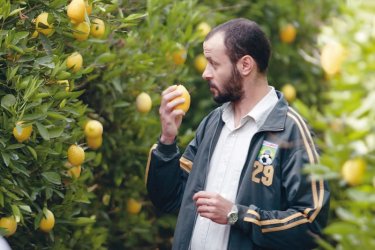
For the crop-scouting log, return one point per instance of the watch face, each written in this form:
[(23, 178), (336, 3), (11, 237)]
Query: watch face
[(233, 217)]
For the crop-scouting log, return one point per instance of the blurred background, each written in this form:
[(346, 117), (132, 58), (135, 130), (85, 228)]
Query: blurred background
[(64, 63)]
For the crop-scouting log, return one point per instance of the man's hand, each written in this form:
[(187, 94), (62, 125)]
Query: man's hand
[(212, 206), (170, 119)]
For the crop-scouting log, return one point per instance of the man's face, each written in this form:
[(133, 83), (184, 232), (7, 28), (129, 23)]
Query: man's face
[(223, 77)]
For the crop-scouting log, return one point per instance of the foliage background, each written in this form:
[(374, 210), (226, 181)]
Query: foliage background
[(134, 57)]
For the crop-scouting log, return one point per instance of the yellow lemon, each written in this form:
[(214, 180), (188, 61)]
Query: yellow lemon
[(35, 34), (94, 142), (179, 56), (47, 222), (81, 31), (288, 33), (133, 206), (42, 25), (66, 83), (332, 57), (93, 129), (74, 61), (88, 7), (75, 171), (143, 102), (97, 28), (203, 29), (289, 92), (76, 11), (353, 171), (185, 94), (200, 63), (9, 224), (76, 155), (22, 133)]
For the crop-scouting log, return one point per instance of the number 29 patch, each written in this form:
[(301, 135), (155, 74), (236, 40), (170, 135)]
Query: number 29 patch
[(262, 168)]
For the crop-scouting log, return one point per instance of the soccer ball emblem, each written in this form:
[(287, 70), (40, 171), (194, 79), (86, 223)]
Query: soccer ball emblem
[(266, 158)]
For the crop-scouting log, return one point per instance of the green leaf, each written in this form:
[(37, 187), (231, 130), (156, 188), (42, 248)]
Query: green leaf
[(15, 146), (56, 132), (341, 227), (1, 199), (106, 57), (43, 131), (25, 208), (52, 177), (16, 212), (8, 100), (33, 152), (45, 61), (16, 11), (19, 36), (6, 158)]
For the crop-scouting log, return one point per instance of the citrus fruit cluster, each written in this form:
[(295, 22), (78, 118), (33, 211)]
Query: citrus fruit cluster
[(94, 134)]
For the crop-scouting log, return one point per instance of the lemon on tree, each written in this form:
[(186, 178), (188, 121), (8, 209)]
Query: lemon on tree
[(200, 63), (66, 83), (288, 33), (9, 224), (332, 57), (133, 206), (353, 171), (93, 129), (81, 31), (88, 7), (75, 171), (97, 28), (143, 102), (185, 94), (203, 29), (22, 133), (48, 221), (289, 92), (94, 142), (76, 11), (74, 61), (76, 155), (42, 25), (179, 55)]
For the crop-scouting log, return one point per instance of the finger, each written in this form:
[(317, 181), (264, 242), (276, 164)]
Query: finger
[(169, 89), (202, 194), (204, 209), (171, 104), (203, 202), (170, 95)]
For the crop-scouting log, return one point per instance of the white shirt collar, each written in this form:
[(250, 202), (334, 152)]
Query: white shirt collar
[(259, 113)]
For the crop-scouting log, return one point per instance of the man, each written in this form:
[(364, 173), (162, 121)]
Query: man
[(240, 182)]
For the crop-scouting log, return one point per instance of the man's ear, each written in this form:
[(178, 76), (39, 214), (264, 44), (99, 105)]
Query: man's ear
[(246, 65)]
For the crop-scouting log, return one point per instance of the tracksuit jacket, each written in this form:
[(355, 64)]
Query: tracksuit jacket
[(280, 206)]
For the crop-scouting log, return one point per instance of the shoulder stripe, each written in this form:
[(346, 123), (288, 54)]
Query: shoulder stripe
[(186, 164), (148, 161)]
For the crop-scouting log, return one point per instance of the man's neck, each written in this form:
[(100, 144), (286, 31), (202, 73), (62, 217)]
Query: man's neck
[(254, 91)]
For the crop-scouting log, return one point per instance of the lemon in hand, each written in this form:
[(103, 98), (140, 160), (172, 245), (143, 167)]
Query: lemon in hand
[(185, 94)]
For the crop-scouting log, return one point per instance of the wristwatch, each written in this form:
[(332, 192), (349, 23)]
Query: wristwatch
[(233, 215)]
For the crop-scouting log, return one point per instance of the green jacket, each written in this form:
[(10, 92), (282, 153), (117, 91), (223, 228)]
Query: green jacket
[(280, 207)]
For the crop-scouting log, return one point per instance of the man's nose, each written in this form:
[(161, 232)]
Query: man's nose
[(207, 74)]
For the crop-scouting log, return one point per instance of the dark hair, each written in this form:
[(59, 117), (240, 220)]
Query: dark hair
[(244, 37)]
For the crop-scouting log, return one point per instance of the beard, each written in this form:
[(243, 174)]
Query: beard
[(232, 89)]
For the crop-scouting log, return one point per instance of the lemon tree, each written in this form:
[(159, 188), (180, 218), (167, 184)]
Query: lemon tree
[(46, 60), (345, 125)]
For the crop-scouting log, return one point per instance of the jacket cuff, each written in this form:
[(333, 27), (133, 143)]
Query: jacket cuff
[(241, 223), (167, 149)]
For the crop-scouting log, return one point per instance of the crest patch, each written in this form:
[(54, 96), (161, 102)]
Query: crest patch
[(267, 153)]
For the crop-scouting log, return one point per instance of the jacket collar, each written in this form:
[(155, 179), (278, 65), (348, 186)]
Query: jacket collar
[(276, 119)]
